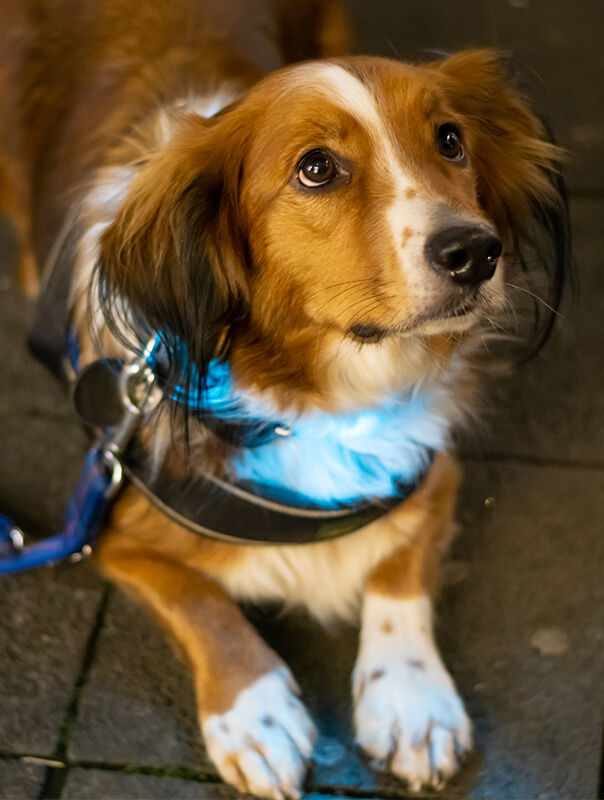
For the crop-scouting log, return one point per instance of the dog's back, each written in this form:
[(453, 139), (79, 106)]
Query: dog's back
[(87, 72)]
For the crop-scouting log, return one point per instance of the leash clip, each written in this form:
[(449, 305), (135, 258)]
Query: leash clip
[(112, 462), (139, 395), (100, 479)]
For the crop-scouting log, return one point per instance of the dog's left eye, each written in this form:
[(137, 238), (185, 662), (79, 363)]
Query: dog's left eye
[(449, 142), (316, 168)]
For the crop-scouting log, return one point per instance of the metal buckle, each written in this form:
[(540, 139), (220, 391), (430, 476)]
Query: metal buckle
[(139, 395), (17, 538), (113, 463), (85, 552)]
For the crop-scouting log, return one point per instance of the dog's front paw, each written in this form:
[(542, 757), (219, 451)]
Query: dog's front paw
[(263, 743), (410, 719)]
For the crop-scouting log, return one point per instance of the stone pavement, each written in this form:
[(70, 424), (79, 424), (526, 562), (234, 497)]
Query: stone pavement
[(93, 703)]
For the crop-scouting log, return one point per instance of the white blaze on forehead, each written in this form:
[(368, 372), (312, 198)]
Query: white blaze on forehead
[(355, 98), (349, 93), (344, 90)]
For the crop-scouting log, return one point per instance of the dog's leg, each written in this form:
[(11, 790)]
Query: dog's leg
[(408, 714), (256, 730)]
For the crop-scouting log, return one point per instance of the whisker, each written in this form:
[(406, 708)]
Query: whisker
[(535, 297), (348, 286), (352, 293), (367, 311), (339, 285)]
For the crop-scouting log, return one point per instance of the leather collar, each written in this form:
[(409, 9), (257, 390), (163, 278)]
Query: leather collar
[(214, 508), (240, 514)]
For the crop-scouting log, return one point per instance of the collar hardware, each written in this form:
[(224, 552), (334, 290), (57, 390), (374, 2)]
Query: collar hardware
[(115, 397)]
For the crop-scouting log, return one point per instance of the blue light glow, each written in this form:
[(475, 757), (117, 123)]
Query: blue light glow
[(329, 459)]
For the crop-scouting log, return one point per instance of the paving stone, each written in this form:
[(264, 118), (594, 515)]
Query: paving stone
[(529, 562), (138, 705), (553, 407), (91, 784), (20, 781), (42, 440), (556, 44), (27, 387), (47, 615), (39, 475), (535, 556)]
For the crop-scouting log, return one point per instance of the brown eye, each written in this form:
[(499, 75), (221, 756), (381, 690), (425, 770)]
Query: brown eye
[(449, 142), (316, 169)]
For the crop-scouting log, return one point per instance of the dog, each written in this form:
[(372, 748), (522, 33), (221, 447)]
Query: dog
[(327, 240)]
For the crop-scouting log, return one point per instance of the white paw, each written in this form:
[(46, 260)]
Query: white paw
[(263, 743), (410, 719), (408, 715)]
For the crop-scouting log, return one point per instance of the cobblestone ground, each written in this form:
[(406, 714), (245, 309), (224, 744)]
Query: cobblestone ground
[(93, 703)]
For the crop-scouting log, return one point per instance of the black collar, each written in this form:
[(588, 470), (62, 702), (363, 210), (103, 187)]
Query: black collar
[(215, 508), (239, 514)]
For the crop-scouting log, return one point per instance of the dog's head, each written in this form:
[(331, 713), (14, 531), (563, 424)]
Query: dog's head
[(342, 228)]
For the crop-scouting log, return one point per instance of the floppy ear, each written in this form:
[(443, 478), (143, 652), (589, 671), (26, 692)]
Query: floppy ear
[(173, 260), (519, 179)]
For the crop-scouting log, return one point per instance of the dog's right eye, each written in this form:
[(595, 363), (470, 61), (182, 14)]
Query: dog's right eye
[(449, 142), (316, 168)]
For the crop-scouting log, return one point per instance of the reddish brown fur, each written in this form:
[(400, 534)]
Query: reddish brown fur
[(295, 306), (86, 73), (414, 569), (103, 68)]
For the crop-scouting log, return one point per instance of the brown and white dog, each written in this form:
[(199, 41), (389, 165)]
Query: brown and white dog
[(340, 232)]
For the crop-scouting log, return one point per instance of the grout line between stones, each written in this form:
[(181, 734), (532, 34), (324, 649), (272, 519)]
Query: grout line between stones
[(178, 772), (56, 777)]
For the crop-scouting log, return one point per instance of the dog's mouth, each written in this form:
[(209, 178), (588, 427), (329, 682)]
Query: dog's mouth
[(444, 319), (461, 310), (452, 318)]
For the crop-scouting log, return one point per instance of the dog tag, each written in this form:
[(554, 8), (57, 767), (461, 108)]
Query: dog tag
[(96, 394)]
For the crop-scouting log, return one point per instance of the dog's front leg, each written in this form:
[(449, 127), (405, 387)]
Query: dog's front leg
[(408, 714), (256, 730)]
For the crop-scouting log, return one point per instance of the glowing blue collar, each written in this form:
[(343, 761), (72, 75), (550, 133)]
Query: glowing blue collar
[(214, 400), (318, 459)]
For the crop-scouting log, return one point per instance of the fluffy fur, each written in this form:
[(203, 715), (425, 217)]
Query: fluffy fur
[(167, 143)]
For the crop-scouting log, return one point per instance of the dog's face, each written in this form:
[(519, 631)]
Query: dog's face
[(341, 226), (366, 215)]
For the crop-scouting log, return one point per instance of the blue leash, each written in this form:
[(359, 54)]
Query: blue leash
[(93, 494), (100, 480)]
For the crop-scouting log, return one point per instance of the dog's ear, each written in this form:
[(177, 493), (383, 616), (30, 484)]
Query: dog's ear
[(518, 168), (174, 258)]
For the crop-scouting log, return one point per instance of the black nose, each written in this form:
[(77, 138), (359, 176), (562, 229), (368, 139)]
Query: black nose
[(466, 254)]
